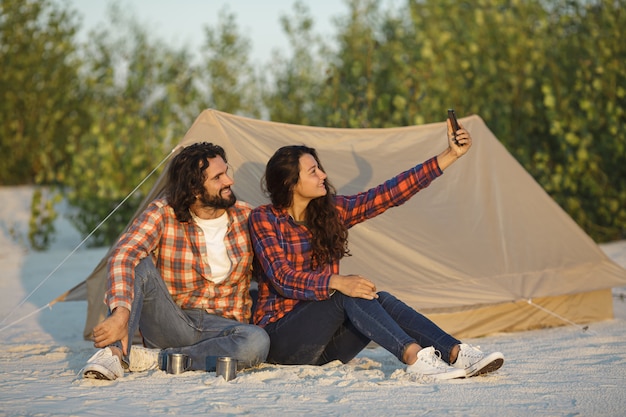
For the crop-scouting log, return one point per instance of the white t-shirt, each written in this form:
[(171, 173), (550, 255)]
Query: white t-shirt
[(214, 232)]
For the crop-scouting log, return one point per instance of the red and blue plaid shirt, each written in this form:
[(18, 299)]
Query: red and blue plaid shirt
[(178, 250), (283, 248)]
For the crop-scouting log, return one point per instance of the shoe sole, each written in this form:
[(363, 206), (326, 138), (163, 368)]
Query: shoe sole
[(442, 376), (488, 368), (97, 371), (92, 374), (447, 376)]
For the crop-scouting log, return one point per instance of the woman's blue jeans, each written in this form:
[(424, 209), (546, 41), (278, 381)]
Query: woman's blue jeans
[(202, 336), (318, 332)]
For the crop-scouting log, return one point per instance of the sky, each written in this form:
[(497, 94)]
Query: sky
[(182, 22)]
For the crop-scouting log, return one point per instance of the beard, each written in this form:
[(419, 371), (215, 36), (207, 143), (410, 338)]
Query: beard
[(217, 201)]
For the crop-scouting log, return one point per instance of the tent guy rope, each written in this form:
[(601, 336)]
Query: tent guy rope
[(552, 313), (78, 247)]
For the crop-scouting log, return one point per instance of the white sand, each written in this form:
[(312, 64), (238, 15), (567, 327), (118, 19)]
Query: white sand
[(552, 372)]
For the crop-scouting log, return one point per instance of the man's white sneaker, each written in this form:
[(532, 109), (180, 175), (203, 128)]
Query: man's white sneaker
[(103, 365), (429, 364), (475, 362), (143, 359)]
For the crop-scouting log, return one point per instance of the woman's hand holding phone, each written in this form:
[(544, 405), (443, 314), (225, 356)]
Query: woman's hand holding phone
[(455, 125)]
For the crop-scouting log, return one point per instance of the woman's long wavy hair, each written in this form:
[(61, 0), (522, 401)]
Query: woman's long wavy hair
[(186, 176), (329, 234)]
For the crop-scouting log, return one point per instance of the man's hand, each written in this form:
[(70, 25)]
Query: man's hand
[(354, 286), (112, 329)]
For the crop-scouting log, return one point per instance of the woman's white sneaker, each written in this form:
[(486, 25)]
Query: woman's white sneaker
[(475, 362), (429, 364)]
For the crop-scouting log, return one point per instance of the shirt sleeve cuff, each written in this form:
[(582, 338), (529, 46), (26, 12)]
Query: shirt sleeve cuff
[(119, 303)]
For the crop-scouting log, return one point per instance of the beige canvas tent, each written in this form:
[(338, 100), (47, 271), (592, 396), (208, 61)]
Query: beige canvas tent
[(484, 249)]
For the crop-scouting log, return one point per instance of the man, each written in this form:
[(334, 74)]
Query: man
[(181, 274)]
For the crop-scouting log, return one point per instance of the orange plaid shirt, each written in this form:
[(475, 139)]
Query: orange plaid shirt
[(178, 250), (283, 247)]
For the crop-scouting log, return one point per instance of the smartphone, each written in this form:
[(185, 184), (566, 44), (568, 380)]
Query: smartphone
[(455, 123)]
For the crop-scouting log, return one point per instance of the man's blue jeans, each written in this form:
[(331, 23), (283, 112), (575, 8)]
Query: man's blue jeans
[(318, 332), (202, 336)]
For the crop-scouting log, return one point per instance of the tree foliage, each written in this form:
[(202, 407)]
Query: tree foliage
[(296, 79), (584, 97), (546, 79), (41, 114), (142, 97), (226, 72), (371, 80)]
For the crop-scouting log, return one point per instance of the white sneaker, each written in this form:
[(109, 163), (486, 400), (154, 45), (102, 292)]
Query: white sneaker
[(103, 365), (475, 362), (429, 364), (143, 359)]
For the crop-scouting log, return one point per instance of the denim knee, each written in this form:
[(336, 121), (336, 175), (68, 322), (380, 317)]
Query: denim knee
[(384, 296), (256, 346)]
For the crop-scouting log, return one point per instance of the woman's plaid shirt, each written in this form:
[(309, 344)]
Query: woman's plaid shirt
[(179, 253), (283, 248)]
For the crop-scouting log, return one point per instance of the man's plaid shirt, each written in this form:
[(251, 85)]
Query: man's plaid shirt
[(283, 247), (178, 250)]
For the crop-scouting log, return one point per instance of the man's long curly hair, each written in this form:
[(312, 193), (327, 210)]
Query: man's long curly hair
[(186, 176), (329, 234)]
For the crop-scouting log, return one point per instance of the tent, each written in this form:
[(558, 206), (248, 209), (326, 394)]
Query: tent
[(484, 249)]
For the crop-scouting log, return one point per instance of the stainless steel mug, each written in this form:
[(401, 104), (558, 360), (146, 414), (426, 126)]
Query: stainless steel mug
[(177, 363), (226, 368)]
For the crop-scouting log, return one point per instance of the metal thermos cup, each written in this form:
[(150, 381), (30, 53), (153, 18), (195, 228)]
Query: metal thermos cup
[(178, 363), (226, 368)]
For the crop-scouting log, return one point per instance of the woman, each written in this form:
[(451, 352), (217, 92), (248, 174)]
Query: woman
[(312, 314)]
